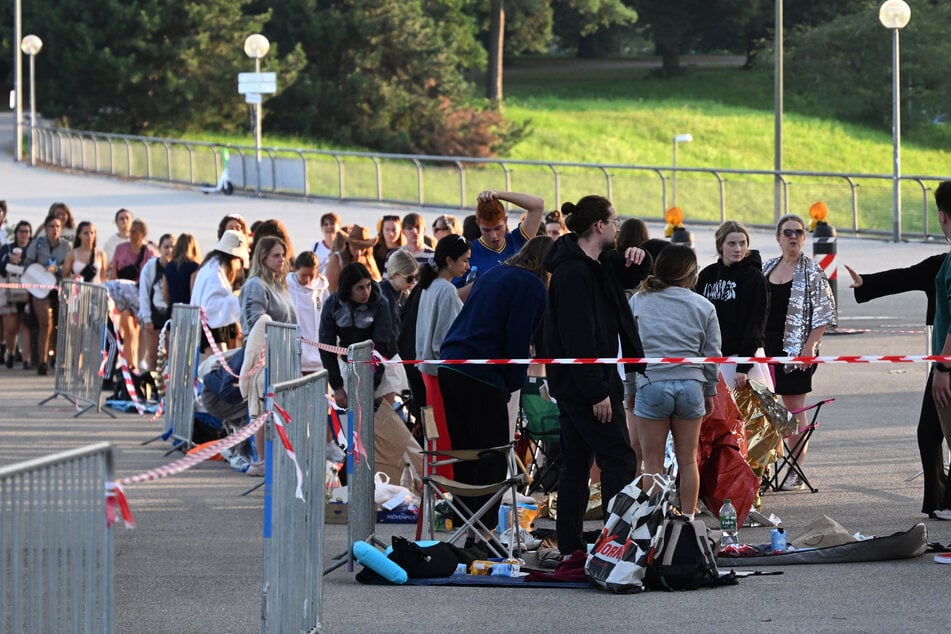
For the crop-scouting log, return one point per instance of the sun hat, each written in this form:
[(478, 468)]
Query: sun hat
[(36, 274), (360, 237), (234, 243)]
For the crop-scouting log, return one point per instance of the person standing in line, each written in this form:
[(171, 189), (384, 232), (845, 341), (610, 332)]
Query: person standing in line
[(84, 262), (389, 238), (736, 287), (181, 271), (329, 227), (801, 307), (123, 225), (213, 289), (941, 340), (555, 225), (415, 239), (308, 291), (444, 224), (587, 316), (16, 319), (154, 309), (265, 290), (673, 398), (496, 243), (936, 495), (498, 321), (439, 304), (48, 250), (355, 246)]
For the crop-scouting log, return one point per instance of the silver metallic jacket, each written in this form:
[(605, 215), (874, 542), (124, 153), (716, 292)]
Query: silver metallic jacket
[(811, 304)]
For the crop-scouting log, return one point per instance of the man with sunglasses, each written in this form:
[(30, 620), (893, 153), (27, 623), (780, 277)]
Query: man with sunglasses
[(497, 243)]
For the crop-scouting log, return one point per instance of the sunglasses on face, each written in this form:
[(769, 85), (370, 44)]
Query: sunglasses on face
[(410, 278), (794, 233)]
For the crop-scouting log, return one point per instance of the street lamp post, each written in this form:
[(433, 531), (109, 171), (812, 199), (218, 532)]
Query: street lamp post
[(256, 46), (680, 138), (31, 45), (894, 15)]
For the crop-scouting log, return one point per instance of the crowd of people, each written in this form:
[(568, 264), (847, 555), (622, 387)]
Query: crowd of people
[(574, 282)]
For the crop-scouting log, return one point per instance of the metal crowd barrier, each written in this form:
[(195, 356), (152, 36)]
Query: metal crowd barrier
[(80, 343), (184, 342), (361, 524), (293, 528), (283, 352), (56, 552)]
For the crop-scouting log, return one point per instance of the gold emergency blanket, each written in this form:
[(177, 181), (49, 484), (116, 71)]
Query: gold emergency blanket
[(766, 422)]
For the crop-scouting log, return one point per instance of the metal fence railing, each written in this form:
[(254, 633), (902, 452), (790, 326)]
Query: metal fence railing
[(56, 552), (184, 341), (860, 203), (80, 342), (282, 361), (294, 527)]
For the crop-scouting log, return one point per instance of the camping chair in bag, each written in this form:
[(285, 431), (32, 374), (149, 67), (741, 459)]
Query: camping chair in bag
[(790, 458), (539, 432), (445, 490)]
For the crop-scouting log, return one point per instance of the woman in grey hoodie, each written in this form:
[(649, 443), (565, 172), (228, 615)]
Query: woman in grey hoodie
[(674, 321)]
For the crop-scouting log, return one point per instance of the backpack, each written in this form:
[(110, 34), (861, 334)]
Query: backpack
[(684, 558)]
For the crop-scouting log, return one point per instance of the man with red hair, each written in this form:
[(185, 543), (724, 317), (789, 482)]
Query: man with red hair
[(497, 243)]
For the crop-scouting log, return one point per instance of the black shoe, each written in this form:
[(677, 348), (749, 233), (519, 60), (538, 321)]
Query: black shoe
[(27, 366), (10, 361), (42, 369)]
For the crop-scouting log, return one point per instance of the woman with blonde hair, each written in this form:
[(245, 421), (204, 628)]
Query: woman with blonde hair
[(673, 398), (801, 307), (126, 266), (265, 290)]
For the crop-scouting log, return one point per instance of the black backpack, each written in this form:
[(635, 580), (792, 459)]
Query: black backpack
[(684, 559)]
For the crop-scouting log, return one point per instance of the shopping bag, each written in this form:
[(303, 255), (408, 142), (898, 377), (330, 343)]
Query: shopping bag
[(618, 561)]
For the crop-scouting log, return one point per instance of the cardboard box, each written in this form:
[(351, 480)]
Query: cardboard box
[(336, 513)]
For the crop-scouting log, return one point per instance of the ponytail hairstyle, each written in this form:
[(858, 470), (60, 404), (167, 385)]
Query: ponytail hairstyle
[(581, 216), (675, 266), (452, 247)]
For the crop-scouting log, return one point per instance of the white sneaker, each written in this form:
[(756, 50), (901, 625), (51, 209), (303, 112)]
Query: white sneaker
[(943, 514), (943, 558), (793, 483), (528, 541)]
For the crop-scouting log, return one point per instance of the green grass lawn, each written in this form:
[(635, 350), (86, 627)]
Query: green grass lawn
[(617, 113)]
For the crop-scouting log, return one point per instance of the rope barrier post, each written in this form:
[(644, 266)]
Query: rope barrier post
[(824, 251)]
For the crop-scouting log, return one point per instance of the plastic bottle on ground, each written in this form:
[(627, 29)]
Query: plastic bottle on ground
[(728, 524)]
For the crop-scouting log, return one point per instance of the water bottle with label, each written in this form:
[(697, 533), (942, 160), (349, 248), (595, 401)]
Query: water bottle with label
[(472, 275), (728, 524)]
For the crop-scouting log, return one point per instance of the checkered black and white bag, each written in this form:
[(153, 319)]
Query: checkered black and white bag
[(618, 561)]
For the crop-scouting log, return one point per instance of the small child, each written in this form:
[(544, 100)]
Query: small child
[(309, 291)]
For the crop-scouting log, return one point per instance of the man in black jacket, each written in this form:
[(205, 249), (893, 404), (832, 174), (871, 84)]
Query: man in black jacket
[(587, 316)]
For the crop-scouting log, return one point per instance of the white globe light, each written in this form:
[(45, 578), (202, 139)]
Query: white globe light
[(31, 44), (256, 46), (894, 14)]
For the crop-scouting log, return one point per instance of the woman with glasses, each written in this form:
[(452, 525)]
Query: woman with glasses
[(801, 307), (445, 225), (389, 238)]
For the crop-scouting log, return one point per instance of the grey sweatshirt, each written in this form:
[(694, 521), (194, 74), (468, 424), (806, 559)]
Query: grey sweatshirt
[(438, 307), (677, 322), (258, 298)]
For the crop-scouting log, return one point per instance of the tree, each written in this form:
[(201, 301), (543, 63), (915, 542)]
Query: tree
[(178, 72), (582, 24), (843, 68)]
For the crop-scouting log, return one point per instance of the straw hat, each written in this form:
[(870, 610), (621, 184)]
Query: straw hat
[(38, 275), (234, 243), (360, 237)]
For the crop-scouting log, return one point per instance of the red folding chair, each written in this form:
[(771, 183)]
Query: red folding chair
[(789, 462)]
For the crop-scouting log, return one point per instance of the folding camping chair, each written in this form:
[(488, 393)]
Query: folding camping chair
[(790, 458), (538, 432), (437, 487)]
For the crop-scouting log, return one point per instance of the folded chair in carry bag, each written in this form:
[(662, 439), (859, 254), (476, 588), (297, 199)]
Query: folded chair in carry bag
[(788, 464), (437, 487), (539, 432)]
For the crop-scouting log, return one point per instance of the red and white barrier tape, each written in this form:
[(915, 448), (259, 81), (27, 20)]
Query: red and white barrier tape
[(215, 350), (898, 358), (281, 417), (8, 285), (191, 460)]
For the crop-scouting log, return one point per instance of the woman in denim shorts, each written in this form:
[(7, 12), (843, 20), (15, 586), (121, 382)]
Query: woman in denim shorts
[(674, 321)]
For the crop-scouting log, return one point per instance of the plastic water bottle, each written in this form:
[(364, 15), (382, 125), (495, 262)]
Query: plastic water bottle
[(728, 524), (472, 275)]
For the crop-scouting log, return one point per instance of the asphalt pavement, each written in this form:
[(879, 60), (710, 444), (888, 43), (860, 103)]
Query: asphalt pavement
[(194, 561)]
